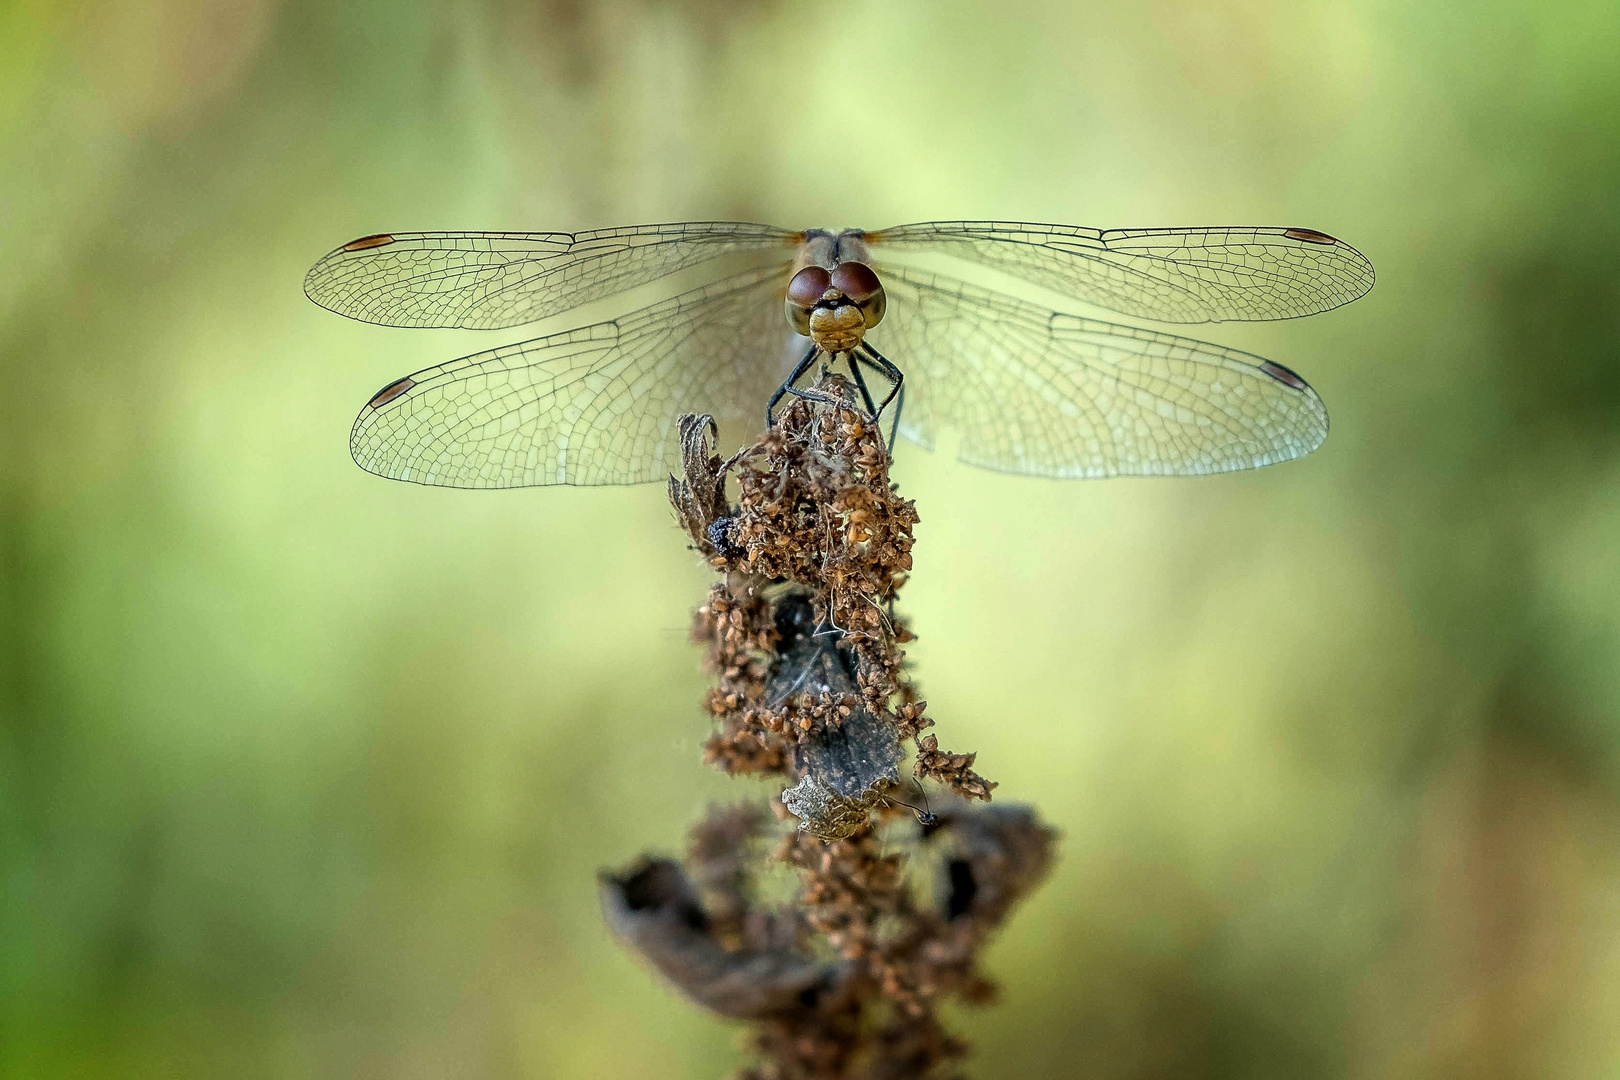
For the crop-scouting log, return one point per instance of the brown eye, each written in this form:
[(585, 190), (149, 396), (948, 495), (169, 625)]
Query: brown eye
[(803, 292), (808, 285), (858, 282)]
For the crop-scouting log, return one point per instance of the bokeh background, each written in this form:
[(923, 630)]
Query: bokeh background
[(305, 773)]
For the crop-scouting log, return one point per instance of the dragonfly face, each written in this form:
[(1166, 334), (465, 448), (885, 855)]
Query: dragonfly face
[(834, 297), (1029, 388)]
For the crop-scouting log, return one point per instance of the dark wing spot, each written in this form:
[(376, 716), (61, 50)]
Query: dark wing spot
[(1310, 236), (391, 391), (1276, 371), (374, 240)]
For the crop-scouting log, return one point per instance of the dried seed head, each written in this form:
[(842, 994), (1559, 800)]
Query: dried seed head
[(803, 641)]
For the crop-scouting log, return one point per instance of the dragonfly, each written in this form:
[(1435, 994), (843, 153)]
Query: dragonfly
[(1027, 388)]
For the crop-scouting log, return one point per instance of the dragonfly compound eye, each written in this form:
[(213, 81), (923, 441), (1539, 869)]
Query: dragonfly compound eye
[(860, 284), (803, 293)]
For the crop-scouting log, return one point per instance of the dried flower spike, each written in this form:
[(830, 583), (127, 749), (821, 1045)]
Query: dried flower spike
[(802, 639)]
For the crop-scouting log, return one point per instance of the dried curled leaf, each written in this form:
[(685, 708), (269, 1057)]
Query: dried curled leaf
[(846, 756), (653, 909), (700, 499)]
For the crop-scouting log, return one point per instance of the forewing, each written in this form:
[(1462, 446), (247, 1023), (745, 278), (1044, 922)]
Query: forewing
[(1044, 394), (482, 280), (1170, 275), (596, 405)]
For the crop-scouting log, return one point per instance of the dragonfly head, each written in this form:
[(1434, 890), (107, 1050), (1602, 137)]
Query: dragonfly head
[(835, 308)]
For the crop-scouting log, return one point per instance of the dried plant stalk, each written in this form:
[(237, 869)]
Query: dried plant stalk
[(800, 633)]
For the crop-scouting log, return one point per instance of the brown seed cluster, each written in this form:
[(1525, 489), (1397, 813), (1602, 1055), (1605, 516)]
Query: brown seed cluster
[(817, 507), (739, 632), (800, 634), (953, 770)]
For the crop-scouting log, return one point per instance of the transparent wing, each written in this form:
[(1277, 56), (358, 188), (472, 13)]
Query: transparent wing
[(1171, 275), (483, 280), (596, 405), (1045, 394)]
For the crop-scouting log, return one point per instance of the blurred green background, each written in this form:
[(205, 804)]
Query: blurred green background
[(305, 773)]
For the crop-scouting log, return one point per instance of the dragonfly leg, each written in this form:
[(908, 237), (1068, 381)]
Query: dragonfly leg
[(787, 386), (890, 372), (894, 425), (814, 395), (899, 397), (896, 395), (860, 381)]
